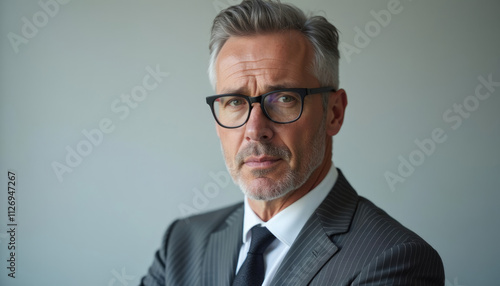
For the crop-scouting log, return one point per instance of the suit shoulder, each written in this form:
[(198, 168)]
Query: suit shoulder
[(386, 250), (209, 221), (181, 255), (381, 226)]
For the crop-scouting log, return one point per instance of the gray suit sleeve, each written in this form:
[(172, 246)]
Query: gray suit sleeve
[(410, 263), (156, 272)]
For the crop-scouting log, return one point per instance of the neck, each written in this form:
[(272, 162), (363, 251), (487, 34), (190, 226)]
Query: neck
[(265, 210)]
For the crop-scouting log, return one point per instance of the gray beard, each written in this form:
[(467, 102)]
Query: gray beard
[(291, 180)]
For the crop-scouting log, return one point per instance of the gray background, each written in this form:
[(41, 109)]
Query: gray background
[(102, 223)]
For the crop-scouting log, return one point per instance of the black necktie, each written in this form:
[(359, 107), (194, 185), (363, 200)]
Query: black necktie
[(252, 270)]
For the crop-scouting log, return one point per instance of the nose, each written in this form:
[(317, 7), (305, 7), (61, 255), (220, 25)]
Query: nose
[(258, 126)]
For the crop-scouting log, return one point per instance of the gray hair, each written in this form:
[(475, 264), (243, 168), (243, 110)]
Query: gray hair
[(252, 17)]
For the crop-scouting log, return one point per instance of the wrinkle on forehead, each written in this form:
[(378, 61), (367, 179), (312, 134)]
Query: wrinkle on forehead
[(247, 67), (263, 60), (270, 74)]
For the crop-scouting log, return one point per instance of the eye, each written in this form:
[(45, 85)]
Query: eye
[(283, 98), (286, 98), (232, 102), (235, 101)]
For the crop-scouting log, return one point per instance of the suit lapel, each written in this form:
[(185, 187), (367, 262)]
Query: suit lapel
[(310, 251), (219, 264), (313, 246)]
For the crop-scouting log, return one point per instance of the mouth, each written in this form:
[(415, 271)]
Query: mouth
[(261, 161)]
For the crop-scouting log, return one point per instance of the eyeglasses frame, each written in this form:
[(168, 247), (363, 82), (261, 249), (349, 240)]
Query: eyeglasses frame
[(303, 92)]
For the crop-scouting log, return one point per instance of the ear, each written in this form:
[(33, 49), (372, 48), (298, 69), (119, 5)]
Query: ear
[(337, 103)]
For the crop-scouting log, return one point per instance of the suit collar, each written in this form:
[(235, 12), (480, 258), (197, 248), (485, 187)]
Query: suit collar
[(337, 210), (313, 246)]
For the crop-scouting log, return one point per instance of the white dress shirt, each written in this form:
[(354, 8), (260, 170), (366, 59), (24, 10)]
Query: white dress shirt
[(285, 225)]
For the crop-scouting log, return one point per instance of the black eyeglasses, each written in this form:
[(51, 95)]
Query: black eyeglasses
[(280, 106)]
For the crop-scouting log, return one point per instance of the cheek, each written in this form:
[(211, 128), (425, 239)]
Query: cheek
[(299, 149), (293, 139), (230, 140), (217, 129), (299, 140)]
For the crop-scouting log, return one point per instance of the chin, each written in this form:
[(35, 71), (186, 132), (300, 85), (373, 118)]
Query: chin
[(265, 189)]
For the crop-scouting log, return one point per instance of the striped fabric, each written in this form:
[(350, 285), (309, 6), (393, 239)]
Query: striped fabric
[(347, 241)]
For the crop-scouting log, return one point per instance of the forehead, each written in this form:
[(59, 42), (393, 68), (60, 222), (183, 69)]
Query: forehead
[(276, 58)]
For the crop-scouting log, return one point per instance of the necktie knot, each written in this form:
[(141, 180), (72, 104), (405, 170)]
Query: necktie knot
[(261, 238)]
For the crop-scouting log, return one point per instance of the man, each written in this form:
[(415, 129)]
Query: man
[(277, 107)]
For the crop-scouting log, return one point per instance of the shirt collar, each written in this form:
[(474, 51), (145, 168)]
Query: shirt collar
[(287, 224)]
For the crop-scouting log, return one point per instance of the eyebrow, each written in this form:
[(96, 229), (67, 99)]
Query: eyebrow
[(268, 88)]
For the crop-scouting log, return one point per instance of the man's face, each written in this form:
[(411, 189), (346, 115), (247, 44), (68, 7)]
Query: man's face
[(268, 160)]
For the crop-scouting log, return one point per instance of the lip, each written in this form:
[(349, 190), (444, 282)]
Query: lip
[(261, 161)]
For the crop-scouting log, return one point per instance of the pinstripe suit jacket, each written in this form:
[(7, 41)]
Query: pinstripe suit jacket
[(347, 241)]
